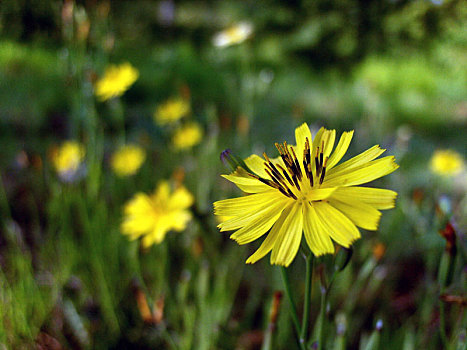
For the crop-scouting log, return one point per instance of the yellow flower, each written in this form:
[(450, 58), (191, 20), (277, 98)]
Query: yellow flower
[(151, 217), (116, 80), (446, 162), (67, 159), (233, 35), (127, 160), (305, 190), (187, 136), (171, 111)]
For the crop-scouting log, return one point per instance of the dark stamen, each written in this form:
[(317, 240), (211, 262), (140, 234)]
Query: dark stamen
[(311, 174), (305, 166), (321, 159), (317, 164), (274, 170), (296, 164), (321, 179), (306, 152), (272, 176), (286, 175), (295, 180), (284, 192), (291, 193)]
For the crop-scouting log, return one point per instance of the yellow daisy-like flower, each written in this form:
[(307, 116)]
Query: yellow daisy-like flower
[(151, 217), (187, 136), (446, 163), (233, 35), (116, 80), (171, 111), (304, 190), (67, 159), (127, 160)]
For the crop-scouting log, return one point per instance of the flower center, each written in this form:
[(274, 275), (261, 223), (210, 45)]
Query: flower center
[(295, 181)]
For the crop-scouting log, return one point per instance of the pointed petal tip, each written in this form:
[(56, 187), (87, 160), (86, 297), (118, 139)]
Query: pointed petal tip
[(320, 252), (303, 125), (281, 263), (250, 261)]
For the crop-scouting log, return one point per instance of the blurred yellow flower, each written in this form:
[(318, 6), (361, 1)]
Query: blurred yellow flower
[(127, 160), (446, 162), (305, 190), (187, 136), (116, 80), (171, 111), (67, 159), (233, 35), (151, 217)]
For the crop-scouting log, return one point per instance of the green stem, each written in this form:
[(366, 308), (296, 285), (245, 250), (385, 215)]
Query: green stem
[(4, 205), (321, 320), (444, 278), (293, 310), (307, 302), (442, 325)]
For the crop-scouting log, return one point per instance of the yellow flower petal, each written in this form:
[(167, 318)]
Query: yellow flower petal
[(447, 163), (315, 233), (338, 226), (116, 80), (151, 217), (68, 157), (341, 148), (320, 194), (379, 198), (140, 206), (244, 205), (259, 225), (301, 134), (357, 161), (171, 111), (156, 236), (251, 213), (180, 199), (326, 136), (127, 160), (361, 214), (247, 183), (317, 141), (256, 164), (187, 136), (329, 137), (162, 193), (288, 242), (366, 173), (312, 194), (271, 238), (179, 220)]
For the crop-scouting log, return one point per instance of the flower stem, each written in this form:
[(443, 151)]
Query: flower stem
[(321, 320), (307, 302), (445, 277), (4, 206), (442, 325), (293, 310)]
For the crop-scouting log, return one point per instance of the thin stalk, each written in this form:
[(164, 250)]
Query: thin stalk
[(273, 315), (444, 278), (307, 302), (4, 206), (442, 325), (322, 314), (293, 309)]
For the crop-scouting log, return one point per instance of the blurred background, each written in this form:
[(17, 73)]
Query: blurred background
[(243, 75)]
